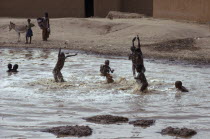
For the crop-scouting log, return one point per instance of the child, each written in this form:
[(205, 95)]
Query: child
[(58, 67), (141, 78), (9, 68), (136, 56), (105, 70), (15, 67), (178, 85), (29, 32)]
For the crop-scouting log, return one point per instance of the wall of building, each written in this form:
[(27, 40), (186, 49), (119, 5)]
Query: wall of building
[(138, 6), (196, 10), (36, 8), (102, 7)]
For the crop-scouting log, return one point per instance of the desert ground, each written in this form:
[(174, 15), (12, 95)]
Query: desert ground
[(160, 39)]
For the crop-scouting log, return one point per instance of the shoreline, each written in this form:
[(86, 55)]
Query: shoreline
[(150, 59), (161, 39)]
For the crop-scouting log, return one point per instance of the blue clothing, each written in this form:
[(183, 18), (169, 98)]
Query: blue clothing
[(29, 33)]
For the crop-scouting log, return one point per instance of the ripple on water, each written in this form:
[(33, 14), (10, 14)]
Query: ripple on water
[(31, 100)]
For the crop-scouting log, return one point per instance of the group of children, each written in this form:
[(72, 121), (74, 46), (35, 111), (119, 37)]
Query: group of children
[(136, 57), (137, 66)]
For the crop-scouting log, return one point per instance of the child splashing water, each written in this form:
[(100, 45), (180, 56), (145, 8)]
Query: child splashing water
[(58, 67), (105, 71)]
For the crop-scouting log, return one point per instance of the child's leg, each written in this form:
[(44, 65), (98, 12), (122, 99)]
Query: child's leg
[(55, 76), (26, 39), (60, 76), (30, 39)]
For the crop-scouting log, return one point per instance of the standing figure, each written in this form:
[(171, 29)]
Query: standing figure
[(46, 27), (136, 56), (60, 63), (29, 32), (105, 71)]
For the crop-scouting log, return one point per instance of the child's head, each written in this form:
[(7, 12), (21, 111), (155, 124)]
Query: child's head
[(107, 62), (15, 67), (9, 66), (62, 54), (46, 14), (29, 20), (178, 84)]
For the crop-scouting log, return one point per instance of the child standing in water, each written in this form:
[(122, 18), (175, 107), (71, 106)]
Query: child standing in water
[(105, 71), (58, 67), (29, 32)]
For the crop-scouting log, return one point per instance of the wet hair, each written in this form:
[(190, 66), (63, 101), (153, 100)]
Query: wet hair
[(29, 20), (9, 66), (46, 14), (178, 84), (107, 62), (15, 67)]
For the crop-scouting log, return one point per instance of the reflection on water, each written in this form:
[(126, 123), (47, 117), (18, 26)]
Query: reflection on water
[(30, 100)]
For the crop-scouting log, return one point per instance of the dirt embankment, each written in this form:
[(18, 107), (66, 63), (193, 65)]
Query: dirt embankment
[(159, 38)]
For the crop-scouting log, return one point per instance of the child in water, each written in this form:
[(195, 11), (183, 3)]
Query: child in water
[(29, 32), (178, 85), (14, 69), (105, 71), (141, 78)]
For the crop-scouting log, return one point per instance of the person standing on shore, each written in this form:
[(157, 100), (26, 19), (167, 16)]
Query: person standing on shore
[(46, 28), (29, 32)]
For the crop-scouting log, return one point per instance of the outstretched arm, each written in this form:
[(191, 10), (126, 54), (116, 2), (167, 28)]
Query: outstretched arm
[(71, 55)]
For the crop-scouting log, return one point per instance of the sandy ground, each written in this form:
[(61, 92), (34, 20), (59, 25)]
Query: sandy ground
[(113, 37)]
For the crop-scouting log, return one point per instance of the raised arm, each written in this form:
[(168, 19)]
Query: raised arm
[(71, 55), (139, 45), (59, 52), (134, 39)]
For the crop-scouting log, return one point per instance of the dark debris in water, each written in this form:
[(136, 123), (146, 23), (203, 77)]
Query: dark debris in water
[(181, 132), (107, 119), (142, 123), (174, 45), (75, 131)]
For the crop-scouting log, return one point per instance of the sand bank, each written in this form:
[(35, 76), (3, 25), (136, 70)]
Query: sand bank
[(165, 39)]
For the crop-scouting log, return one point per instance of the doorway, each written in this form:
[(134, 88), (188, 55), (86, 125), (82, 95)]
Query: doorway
[(89, 8)]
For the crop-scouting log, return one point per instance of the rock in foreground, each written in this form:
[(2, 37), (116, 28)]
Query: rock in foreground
[(143, 123), (76, 131), (182, 132), (107, 119)]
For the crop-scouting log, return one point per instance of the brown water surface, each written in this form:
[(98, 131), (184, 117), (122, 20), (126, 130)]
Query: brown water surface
[(30, 100)]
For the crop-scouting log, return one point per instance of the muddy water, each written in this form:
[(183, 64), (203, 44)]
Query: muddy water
[(31, 101)]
